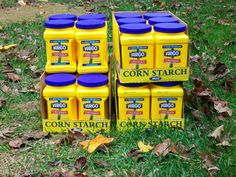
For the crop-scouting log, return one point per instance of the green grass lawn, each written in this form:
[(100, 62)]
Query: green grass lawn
[(211, 25)]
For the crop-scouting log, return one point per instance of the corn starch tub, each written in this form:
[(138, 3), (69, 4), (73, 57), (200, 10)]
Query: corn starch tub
[(137, 46), (72, 17), (166, 100), (60, 46), (149, 15), (171, 45), (60, 93), (92, 94), (92, 47), (153, 21), (115, 31), (133, 101)]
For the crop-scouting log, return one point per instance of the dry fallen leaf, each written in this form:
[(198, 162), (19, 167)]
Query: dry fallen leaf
[(162, 4), (80, 163), (76, 136), (143, 147), (21, 3), (195, 58), (110, 173), (35, 135), (222, 107), (17, 143), (4, 88), (2, 102), (92, 145), (13, 77), (101, 163), (217, 132), (6, 132), (25, 54), (7, 47), (185, 153), (208, 163), (165, 147)]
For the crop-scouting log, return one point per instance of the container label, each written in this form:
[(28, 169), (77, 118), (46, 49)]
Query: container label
[(138, 56), (167, 106), (172, 54), (91, 51), (60, 51), (134, 108), (58, 108), (92, 108)]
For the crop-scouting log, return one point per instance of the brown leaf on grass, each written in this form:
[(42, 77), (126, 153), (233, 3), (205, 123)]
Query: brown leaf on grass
[(76, 136), (2, 102), (165, 147), (92, 145), (217, 133), (229, 84), (4, 88), (162, 4), (135, 153), (21, 2), (195, 58), (7, 47), (200, 89), (110, 173), (224, 22), (229, 43), (35, 135), (102, 163), (7, 132), (208, 163), (185, 154), (13, 77), (224, 143), (221, 106), (80, 163), (25, 54), (79, 175), (220, 68), (17, 143)]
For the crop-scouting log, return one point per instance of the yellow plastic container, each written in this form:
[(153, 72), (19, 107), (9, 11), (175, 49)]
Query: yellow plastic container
[(116, 33), (60, 93), (92, 94), (133, 101), (171, 45), (60, 46), (92, 49), (166, 100), (137, 46)]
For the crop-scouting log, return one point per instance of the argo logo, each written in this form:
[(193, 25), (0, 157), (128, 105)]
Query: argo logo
[(134, 106), (59, 47), (91, 106), (167, 105), (91, 48), (137, 54), (59, 105), (156, 78), (172, 53)]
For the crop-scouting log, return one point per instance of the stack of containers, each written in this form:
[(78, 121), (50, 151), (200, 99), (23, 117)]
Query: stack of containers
[(77, 83), (154, 40)]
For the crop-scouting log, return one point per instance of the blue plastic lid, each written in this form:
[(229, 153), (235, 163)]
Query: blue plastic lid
[(127, 15), (135, 28), (156, 14), (90, 24), (167, 84), (153, 21), (58, 24), (92, 80), (170, 27), (131, 84), (63, 17), (60, 79), (92, 17), (123, 21)]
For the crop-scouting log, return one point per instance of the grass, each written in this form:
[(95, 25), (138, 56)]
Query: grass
[(210, 38)]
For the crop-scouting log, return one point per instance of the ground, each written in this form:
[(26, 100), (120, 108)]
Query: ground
[(212, 32)]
